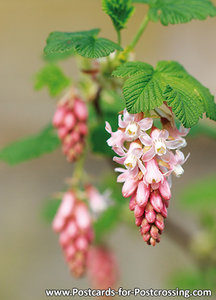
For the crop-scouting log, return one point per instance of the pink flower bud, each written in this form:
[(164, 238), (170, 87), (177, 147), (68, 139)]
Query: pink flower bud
[(82, 216), (67, 205), (132, 203), (78, 148), (164, 211), (146, 237), (138, 211), (69, 120), (138, 221), (80, 110), (153, 174), (129, 187), (164, 189), (59, 116), (75, 136), (154, 232), (82, 128), (150, 214), (152, 241), (72, 229), (90, 234), (62, 132), (156, 201), (63, 239), (71, 155), (143, 192), (68, 142), (159, 222), (58, 223), (81, 243), (145, 227), (70, 251)]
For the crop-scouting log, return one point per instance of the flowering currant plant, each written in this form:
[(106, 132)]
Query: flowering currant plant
[(135, 115)]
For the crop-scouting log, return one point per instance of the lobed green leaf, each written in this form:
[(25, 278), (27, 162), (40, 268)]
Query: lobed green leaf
[(119, 11), (31, 147), (92, 47), (146, 89), (179, 11), (52, 77), (60, 45), (85, 43)]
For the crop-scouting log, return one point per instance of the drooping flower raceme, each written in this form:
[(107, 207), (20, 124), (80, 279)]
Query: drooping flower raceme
[(149, 162), (73, 223), (70, 120), (102, 268)]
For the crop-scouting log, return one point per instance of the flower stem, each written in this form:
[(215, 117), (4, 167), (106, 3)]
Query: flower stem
[(119, 37), (139, 32), (78, 171)]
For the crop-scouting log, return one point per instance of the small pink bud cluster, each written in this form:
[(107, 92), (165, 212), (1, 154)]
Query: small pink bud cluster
[(74, 224), (70, 120), (102, 268), (146, 153), (149, 203)]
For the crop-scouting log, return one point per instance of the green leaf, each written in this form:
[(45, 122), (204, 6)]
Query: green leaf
[(146, 89), (131, 68), (31, 147), (84, 43), (52, 77), (142, 1), (200, 195), (181, 11), (109, 183), (106, 222), (111, 217), (61, 44), (50, 208), (119, 11), (92, 47)]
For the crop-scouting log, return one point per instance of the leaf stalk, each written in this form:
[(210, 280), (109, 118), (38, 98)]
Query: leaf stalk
[(139, 32)]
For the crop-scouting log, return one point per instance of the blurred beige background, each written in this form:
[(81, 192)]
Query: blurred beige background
[(30, 257)]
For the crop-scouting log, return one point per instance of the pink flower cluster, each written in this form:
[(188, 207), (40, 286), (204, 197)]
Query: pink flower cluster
[(102, 268), (70, 120), (145, 151), (74, 224)]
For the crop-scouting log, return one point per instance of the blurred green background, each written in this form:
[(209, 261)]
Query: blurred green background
[(30, 256)]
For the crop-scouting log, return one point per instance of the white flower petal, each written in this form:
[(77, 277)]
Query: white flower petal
[(145, 124), (149, 154), (145, 139), (178, 143)]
